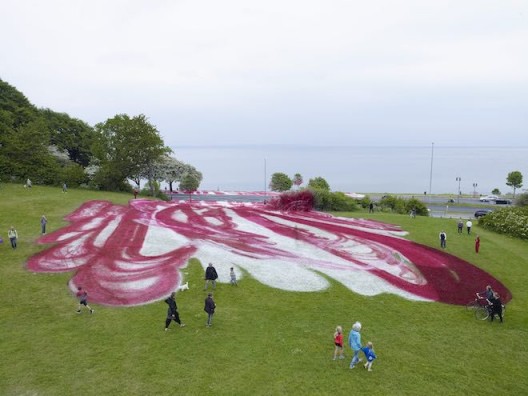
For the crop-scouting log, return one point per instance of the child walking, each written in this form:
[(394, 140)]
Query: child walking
[(368, 350), (338, 342), (82, 295), (233, 278)]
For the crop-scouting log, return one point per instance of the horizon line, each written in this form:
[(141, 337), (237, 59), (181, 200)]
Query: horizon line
[(292, 145)]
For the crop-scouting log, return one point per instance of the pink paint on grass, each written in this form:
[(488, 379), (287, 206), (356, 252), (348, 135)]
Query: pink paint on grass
[(133, 255)]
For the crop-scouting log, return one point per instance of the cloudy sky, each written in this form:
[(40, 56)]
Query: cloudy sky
[(317, 72)]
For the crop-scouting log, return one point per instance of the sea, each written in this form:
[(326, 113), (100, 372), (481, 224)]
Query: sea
[(433, 169)]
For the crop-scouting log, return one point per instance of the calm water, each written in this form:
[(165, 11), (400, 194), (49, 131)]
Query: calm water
[(360, 169)]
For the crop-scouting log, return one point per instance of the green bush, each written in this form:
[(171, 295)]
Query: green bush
[(522, 200), (510, 221), (365, 202), (329, 201), (391, 203)]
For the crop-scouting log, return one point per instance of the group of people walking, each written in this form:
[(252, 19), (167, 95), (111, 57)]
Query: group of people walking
[(209, 304), (354, 342)]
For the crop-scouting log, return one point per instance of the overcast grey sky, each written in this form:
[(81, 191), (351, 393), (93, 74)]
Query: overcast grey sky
[(280, 72)]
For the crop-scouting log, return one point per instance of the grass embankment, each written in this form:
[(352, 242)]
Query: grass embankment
[(264, 341)]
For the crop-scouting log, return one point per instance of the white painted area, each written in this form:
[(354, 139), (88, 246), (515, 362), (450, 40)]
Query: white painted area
[(160, 240)]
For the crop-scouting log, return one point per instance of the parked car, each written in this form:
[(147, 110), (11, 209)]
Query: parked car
[(503, 201), (482, 212), (488, 198)]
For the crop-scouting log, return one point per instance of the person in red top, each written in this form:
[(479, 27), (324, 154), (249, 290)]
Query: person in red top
[(338, 341), (82, 295), (477, 244)]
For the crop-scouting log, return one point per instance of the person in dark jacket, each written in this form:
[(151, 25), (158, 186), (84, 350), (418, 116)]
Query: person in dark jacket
[(210, 275), (496, 306), (210, 309), (172, 312)]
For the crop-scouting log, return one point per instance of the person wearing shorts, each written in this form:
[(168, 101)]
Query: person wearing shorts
[(82, 295)]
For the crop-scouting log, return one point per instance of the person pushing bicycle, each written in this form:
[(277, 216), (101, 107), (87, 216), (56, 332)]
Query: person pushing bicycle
[(486, 294)]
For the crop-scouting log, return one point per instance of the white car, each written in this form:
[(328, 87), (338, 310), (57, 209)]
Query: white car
[(489, 198)]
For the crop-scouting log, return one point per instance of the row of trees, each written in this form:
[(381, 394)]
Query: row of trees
[(319, 190), (281, 182), (52, 148)]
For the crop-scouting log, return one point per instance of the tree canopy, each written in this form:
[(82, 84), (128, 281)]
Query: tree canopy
[(280, 182), (127, 148), (318, 183), (514, 180)]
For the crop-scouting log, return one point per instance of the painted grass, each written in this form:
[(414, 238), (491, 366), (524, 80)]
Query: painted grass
[(264, 341)]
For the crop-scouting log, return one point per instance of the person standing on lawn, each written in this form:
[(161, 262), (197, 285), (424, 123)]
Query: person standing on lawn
[(232, 275), (12, 234), (443, 239), (460, 226), (43, 222), (210, 275), (338, 342), (477, 244), (469, 224), (172, 311)]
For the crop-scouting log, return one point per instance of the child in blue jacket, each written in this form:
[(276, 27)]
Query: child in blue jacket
[(369, 355)]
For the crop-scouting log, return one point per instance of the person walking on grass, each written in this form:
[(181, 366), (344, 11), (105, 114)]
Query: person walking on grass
[(172, 311), (210, 275), (496, 306), (12, 234), (82, 295), (354, 341), (370, 355), (233, 278), (338, 342), (43, 222), (443, 239), (210, 309), (477, 244)]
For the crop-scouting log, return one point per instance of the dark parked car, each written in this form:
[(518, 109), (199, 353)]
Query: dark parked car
[(482, 212), (503, 201)]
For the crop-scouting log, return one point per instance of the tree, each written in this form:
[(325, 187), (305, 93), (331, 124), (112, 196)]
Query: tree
[(319, 183), (173, 170), (189, 183), (496, 191), (127, 148), (71, 135), (280, 182), (26, 154), (514, 180), (297, 180)]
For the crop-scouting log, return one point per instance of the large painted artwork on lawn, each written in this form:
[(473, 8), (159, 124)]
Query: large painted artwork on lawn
[(134, 255)]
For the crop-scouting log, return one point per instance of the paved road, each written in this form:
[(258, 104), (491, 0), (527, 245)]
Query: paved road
[(438, 206)]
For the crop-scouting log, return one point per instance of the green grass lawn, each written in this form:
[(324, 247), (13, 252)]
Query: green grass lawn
[(264, 341)]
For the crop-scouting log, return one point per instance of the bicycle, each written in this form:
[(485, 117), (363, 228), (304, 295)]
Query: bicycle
[(476, 303)]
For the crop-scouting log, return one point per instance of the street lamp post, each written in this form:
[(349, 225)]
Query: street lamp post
[(475, 189), (459, 179)]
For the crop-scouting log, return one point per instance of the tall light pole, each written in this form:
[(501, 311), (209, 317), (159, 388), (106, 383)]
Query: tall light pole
[(475, 189), (265, 177), (431, 172), (459, 179)]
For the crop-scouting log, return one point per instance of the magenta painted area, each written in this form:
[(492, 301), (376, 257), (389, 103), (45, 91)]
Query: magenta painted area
[(116, 254)]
